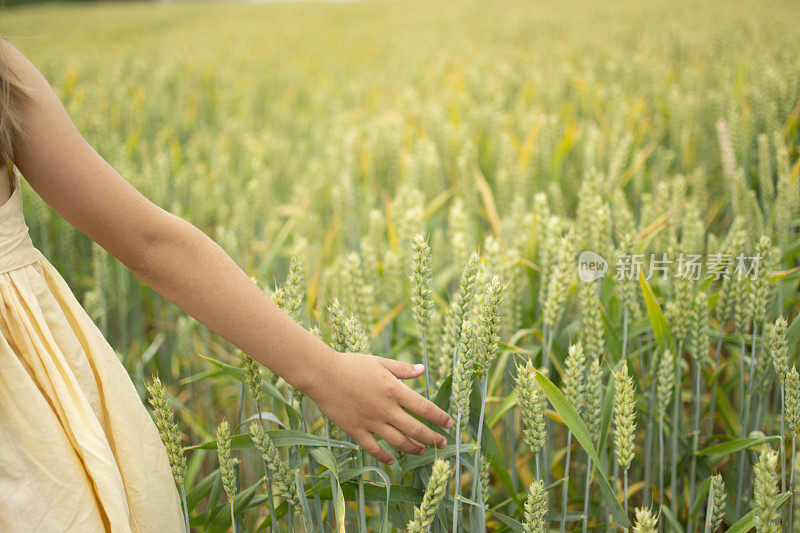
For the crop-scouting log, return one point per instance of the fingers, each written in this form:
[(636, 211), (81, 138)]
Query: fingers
[(419, 431), (426, 409), (403, 370), (371, 446), (399, 441)]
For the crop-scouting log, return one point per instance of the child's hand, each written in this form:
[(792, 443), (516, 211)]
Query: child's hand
[(364, 397)]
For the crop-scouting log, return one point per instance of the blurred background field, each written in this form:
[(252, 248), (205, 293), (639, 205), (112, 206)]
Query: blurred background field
[(314, 129)]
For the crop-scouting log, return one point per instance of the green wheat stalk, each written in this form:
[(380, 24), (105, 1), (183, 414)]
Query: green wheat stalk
[(422, 295), (699, 352), (459, 403), (574, 388), (489, 333), (624, 422), (664, 391)]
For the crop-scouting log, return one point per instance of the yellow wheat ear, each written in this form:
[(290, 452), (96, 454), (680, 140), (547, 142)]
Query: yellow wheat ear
[(646, 522), (282, 477), (531, 402), (227, 463), (765, 491), (536, 508), (437, 485), (717, 498), (167, 429)]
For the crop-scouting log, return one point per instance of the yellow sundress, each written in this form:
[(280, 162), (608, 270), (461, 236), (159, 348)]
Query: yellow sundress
[(78, 449)]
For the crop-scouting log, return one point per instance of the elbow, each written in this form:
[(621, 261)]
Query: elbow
[(167, 238)]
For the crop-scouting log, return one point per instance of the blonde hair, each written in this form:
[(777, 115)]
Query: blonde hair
[(12, 94)]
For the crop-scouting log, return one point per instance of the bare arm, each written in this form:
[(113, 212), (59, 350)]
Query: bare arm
[(361, 393)]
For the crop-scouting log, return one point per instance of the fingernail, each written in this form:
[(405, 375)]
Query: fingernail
[(419, 367), (391, 461), (449, 424), (442, 443)]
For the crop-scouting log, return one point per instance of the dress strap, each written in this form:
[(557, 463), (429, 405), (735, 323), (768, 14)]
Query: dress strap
[(10, 167)]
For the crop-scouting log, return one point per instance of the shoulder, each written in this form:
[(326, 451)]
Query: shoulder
[(16, 64), (13, 57), (40, 112)]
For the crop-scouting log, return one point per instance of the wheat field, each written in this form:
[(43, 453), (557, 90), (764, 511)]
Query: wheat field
[(583, 216)]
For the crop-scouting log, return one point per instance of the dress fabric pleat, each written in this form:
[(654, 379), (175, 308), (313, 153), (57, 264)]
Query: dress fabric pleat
[(78, 449)]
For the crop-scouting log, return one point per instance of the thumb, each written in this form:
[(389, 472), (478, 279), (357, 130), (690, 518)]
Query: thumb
[(403, 370)]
